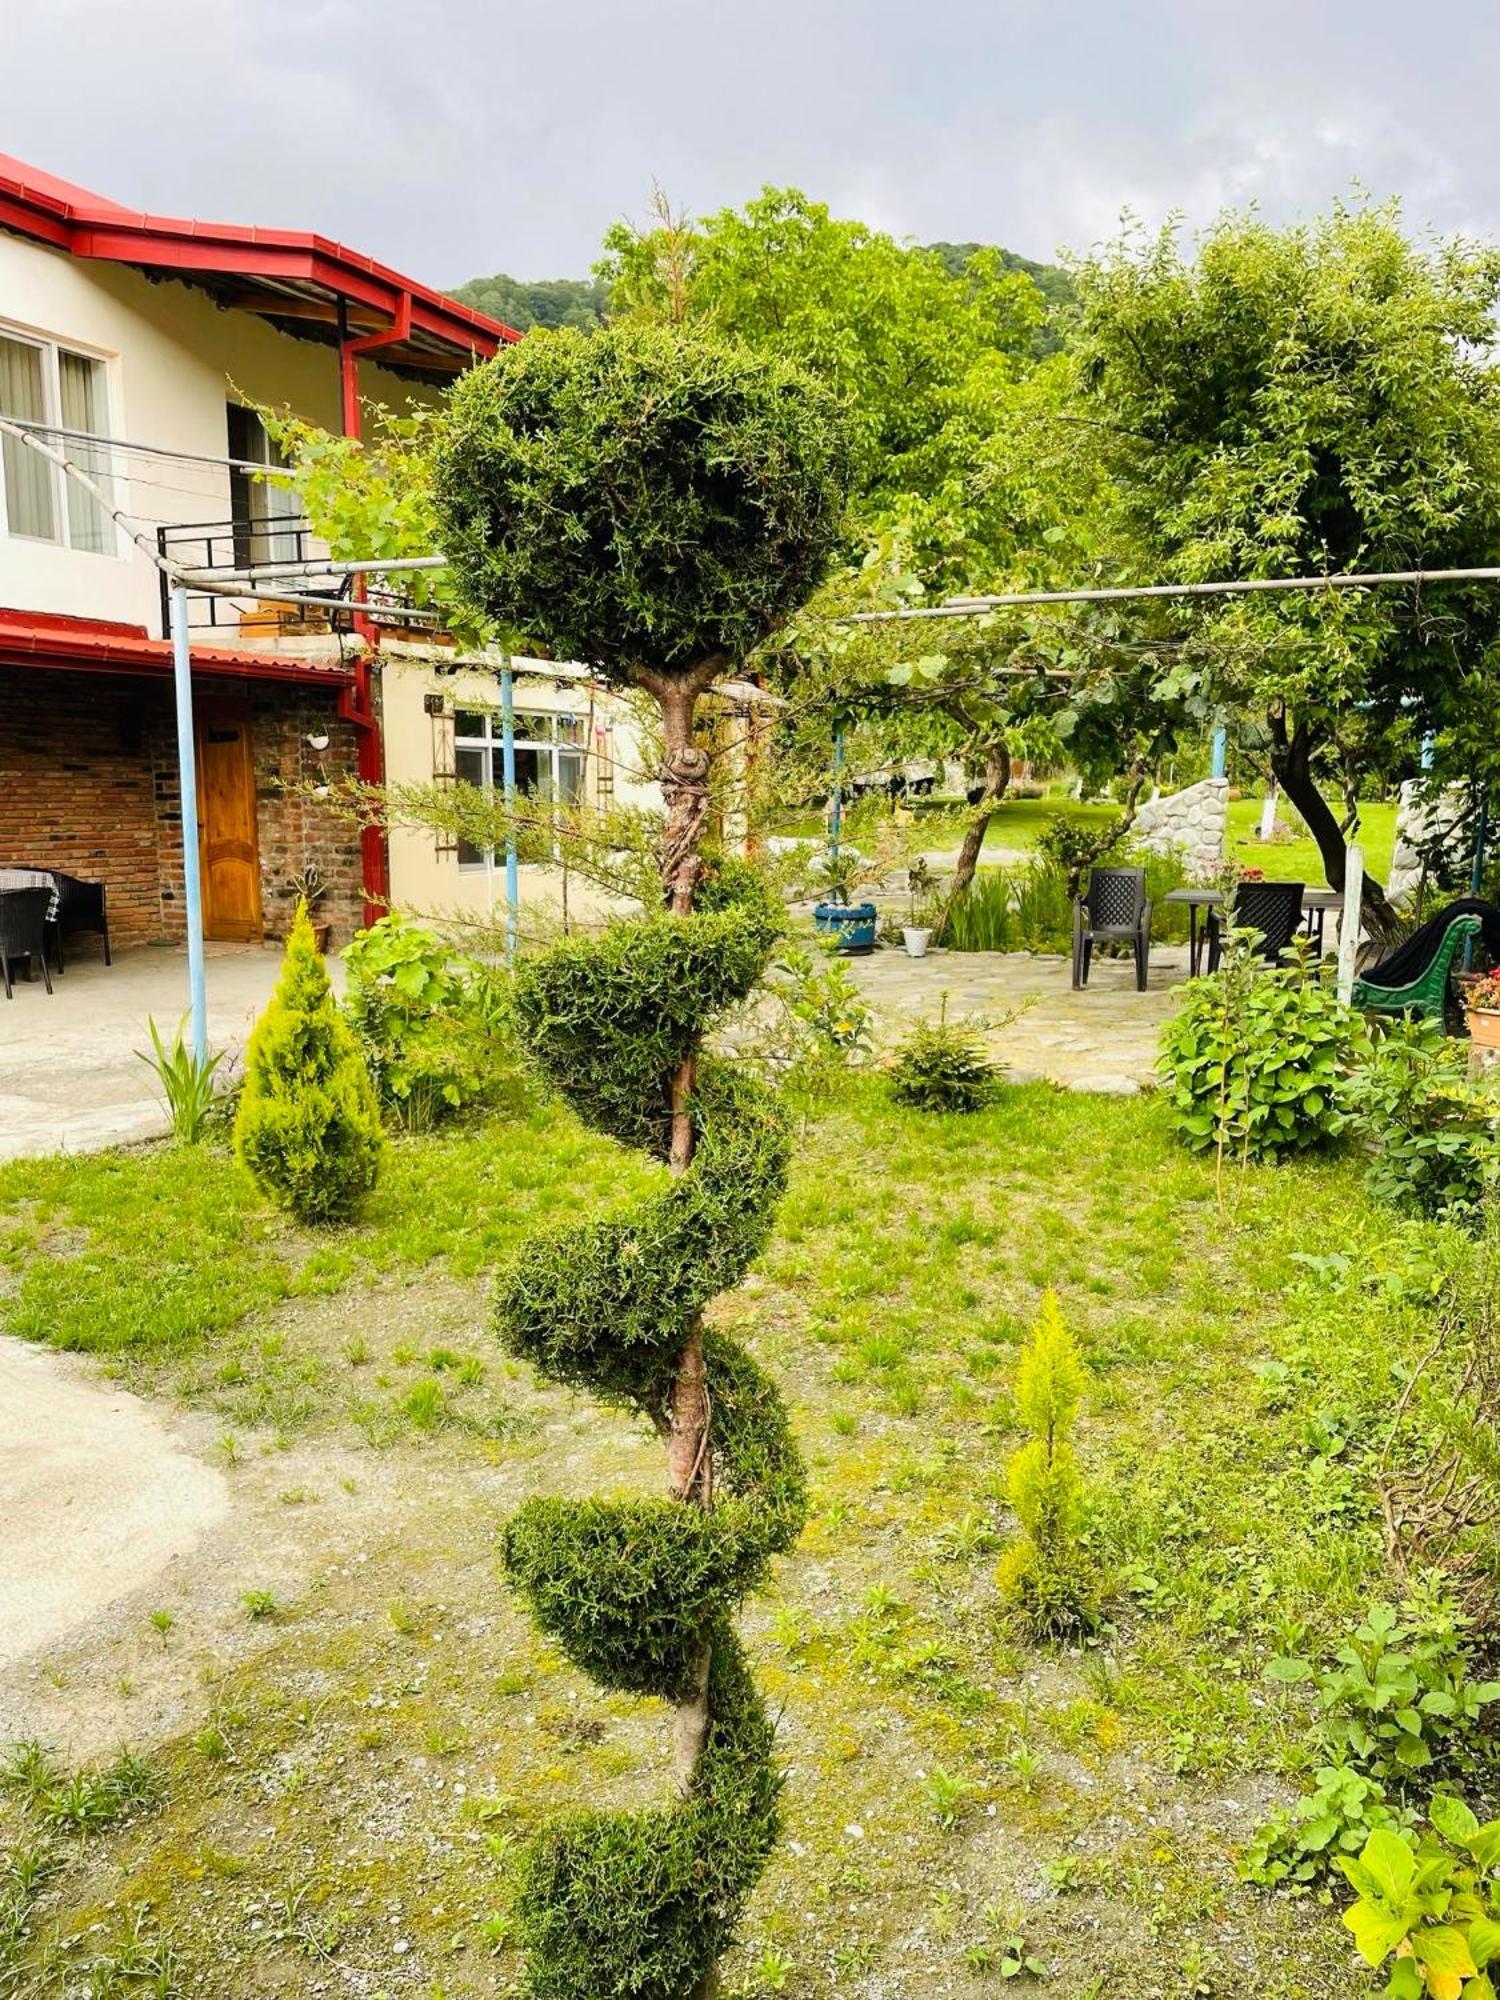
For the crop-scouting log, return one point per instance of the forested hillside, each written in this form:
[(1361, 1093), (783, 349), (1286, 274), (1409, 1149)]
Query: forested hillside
[(585, 301)]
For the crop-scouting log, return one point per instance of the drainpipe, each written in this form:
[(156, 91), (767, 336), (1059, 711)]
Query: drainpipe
[(357, 705)]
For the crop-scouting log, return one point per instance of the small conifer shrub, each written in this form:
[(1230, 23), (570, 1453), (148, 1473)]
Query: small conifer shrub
[(941, 1066), (1045, 1574), (308, 1126)]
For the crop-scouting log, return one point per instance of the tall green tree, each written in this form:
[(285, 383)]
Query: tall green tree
[(1301, 401), (922, 356), (656, 501)]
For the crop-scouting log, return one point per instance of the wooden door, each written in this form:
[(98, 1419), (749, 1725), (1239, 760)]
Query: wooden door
[(227, 844)]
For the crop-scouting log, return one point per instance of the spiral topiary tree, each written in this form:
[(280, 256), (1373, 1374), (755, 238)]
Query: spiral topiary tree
[(655, 504)]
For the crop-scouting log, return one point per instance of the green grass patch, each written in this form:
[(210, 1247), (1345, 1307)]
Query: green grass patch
[(950, 1784)]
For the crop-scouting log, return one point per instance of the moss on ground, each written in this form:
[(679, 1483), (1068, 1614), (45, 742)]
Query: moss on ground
[(342, 1815)]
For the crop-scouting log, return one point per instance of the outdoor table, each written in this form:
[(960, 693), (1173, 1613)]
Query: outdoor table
[(1316, 903)]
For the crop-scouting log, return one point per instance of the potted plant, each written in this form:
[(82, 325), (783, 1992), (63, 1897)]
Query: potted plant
[(1482, 1006), (853, 924), (307, 886), (917, 935)]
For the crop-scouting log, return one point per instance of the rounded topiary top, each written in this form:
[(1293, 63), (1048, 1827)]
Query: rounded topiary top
[(641, 497)]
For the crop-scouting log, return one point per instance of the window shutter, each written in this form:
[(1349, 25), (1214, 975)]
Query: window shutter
[(444, 765)]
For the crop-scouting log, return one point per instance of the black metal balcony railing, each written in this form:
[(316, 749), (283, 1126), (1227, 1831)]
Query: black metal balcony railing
[(277, 603)]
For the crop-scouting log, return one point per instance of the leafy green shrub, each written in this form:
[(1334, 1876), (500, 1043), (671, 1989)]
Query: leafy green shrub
[(941, 1066), (1433, 1133), (427, 1023), (1431, 1907), (308, 1125), (1258, 1058), (657, 442), (1045, 1575), (1299, 1844), (1398, 1697), (805, 1026), (1398, 1712)]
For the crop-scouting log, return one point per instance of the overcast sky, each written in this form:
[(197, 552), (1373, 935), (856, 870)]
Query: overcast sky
[(452, 138)]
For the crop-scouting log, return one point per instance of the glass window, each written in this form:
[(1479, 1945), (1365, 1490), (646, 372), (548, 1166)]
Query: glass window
[(545, 769), (44, 384), (470, 767), (30, 483), (81, 387), (266, 516)]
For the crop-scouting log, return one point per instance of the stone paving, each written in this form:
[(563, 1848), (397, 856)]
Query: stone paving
[(1101, 1039), (70, 1080)]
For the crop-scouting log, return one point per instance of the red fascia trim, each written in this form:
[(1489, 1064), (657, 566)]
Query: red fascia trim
[(102, 647), (19, 215), (85, 225)]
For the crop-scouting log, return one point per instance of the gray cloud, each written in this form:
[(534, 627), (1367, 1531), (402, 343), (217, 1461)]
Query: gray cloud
[(457, 138)]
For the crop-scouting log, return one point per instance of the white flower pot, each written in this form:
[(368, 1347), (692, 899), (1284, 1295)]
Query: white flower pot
[(916, 940)]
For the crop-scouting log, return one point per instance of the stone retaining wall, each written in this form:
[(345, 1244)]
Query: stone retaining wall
[(1191, 823)]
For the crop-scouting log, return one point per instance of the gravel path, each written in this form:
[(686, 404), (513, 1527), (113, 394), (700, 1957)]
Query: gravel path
[(96, 1496)]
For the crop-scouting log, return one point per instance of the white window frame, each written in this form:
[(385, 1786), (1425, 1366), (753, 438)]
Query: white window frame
[(551, 746), (52, 414)]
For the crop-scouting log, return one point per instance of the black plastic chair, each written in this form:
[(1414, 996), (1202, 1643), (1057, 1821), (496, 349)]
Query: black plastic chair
[(81, 906), (1114, 909), (23, 932), (1274, 909)]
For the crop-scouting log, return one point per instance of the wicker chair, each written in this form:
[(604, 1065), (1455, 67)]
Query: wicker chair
[(1114, 909), (81, 906), (23, 932), (1274, 909), (75, 906)]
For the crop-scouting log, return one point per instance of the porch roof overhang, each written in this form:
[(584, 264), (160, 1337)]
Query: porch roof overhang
[(302, 283), (101, 646)]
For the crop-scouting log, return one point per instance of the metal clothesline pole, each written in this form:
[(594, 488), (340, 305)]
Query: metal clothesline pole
[(187, 781), (182, 683), (314, 566), (508, 775), (976, 607)]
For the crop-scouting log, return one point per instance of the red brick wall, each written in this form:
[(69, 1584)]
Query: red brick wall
[(295, 828), (88, 783), (79, 787)]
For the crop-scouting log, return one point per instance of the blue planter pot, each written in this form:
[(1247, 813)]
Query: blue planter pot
[(853, 924)]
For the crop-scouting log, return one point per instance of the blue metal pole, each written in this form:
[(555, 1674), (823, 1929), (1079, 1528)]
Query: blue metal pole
[(508, 771), (187, 779), (836, 822), (1220, 766)]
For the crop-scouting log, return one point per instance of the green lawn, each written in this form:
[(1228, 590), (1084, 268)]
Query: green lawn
[(1297, 859), (352, 1764), (1018, 823)]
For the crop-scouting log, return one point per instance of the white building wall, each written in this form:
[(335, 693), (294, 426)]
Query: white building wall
[(174, 360), (430, 884)]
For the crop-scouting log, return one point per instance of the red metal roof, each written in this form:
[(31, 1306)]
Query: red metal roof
[(302, 282), (102, 646)]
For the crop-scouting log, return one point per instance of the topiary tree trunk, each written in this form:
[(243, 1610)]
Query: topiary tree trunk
[(641, 1594), (655, 504)]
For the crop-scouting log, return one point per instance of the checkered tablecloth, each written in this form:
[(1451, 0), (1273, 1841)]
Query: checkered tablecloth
[(33, 878)]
